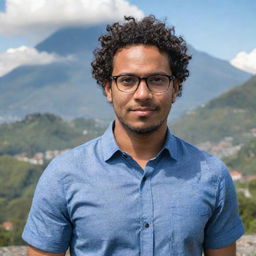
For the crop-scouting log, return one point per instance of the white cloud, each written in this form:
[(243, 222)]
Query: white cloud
[(245, 61), (39, 16), (24, 55)]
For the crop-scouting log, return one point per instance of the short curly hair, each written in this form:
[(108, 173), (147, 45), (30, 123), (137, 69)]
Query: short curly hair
[(148, 31)]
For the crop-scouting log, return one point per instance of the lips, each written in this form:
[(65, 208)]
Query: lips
[(143, 111)]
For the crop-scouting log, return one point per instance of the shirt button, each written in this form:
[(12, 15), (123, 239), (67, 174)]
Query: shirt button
[(146, 225)]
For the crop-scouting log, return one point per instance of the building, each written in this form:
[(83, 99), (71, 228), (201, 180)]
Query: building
[(7, 225)]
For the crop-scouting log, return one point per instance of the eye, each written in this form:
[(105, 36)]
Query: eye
[(158, 79), (127, 80)]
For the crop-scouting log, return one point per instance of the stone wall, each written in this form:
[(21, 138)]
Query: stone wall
[(246, 246)]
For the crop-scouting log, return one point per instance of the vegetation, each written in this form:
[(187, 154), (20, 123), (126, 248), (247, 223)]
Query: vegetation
[(17, 184), (232, 114), (41, 132), (247, 206), (245, 160)]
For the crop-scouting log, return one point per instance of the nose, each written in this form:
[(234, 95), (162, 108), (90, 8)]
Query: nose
[(143, 92)]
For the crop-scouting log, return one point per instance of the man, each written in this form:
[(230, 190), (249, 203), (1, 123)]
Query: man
[(137, 190)]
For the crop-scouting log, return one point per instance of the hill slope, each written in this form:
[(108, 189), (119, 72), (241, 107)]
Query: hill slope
[(245, 160), (231, 114), (17, 185), (41, 132)]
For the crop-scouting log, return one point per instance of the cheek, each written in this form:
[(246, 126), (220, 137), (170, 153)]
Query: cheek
[(120, 101), (166, 102)]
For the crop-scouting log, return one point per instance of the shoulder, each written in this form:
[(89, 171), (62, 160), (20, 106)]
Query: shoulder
[(193, 155), (74, 160)]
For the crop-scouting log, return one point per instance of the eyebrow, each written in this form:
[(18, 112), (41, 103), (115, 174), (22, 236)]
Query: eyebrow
[(151, 74)]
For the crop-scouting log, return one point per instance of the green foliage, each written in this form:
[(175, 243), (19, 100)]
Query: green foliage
[(252, 188), (247, 208), (5, 237), (12, 237), (17, 185), (16, 176), (232, 114), (41, 132), (245, 160)]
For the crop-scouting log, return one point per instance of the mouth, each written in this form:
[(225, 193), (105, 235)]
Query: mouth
[(143, 111)]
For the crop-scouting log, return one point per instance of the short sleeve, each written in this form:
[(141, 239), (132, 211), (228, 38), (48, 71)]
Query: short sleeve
[(48, 226), (225, 226)]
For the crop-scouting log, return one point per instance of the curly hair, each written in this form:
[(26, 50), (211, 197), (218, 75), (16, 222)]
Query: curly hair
[(148, 31)]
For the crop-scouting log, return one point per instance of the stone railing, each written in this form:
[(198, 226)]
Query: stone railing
[(246, 246)]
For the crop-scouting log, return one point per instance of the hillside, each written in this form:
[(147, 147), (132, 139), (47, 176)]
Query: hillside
[(67, 88), (17, 185), (230, 115), (41, 132), (35, 133), (245, 160)]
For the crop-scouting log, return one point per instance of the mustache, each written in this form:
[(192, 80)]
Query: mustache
[(151, 107)]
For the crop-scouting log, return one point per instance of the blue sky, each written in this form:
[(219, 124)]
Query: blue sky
[(221, 28)]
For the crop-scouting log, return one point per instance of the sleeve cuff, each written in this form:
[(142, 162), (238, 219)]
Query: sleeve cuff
[(42, 244), (226, 238)]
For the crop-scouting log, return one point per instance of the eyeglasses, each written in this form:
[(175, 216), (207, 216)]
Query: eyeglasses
[(156, 83)]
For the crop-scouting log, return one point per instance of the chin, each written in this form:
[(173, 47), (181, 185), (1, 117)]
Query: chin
[(143, 129)]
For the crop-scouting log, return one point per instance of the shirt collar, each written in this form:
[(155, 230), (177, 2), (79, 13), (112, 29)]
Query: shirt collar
[(171, 145), (110, 147)]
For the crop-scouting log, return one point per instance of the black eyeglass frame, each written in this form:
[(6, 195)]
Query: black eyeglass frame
[(170, 77)]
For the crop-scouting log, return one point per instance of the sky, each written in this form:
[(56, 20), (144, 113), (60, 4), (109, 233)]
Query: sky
[(225, 29)]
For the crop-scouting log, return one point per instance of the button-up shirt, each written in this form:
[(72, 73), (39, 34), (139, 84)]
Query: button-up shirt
[(98, 201)]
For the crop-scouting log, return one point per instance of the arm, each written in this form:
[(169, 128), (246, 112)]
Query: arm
[(48, 225), (229, 250), (224, 226), (32, 251)]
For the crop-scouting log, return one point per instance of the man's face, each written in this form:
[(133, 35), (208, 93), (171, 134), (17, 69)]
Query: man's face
[(141, 111)]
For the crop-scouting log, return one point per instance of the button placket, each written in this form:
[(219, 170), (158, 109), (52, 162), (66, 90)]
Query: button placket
[(147, 214)]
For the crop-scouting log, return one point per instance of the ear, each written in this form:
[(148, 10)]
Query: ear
[(108, 91), (175, 92)]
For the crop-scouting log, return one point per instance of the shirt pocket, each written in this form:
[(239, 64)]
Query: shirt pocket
[(187, 228)]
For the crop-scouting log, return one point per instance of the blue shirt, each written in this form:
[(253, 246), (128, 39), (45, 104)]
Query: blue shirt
[(99, 201)]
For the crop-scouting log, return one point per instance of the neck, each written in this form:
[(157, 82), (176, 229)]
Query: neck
[(142, 147)]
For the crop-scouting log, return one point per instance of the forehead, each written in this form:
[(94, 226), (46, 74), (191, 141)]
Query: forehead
[(140, 59)]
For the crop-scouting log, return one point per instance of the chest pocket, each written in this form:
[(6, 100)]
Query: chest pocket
[(187, 228)]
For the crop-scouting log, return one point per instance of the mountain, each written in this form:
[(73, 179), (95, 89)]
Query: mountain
[(209, 78), (42, 132), (67, 88), (230, 115), (72, 40)]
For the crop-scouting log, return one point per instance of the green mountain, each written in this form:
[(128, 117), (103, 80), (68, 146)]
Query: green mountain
[(41, 132), (245, 160), (230, 115)]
